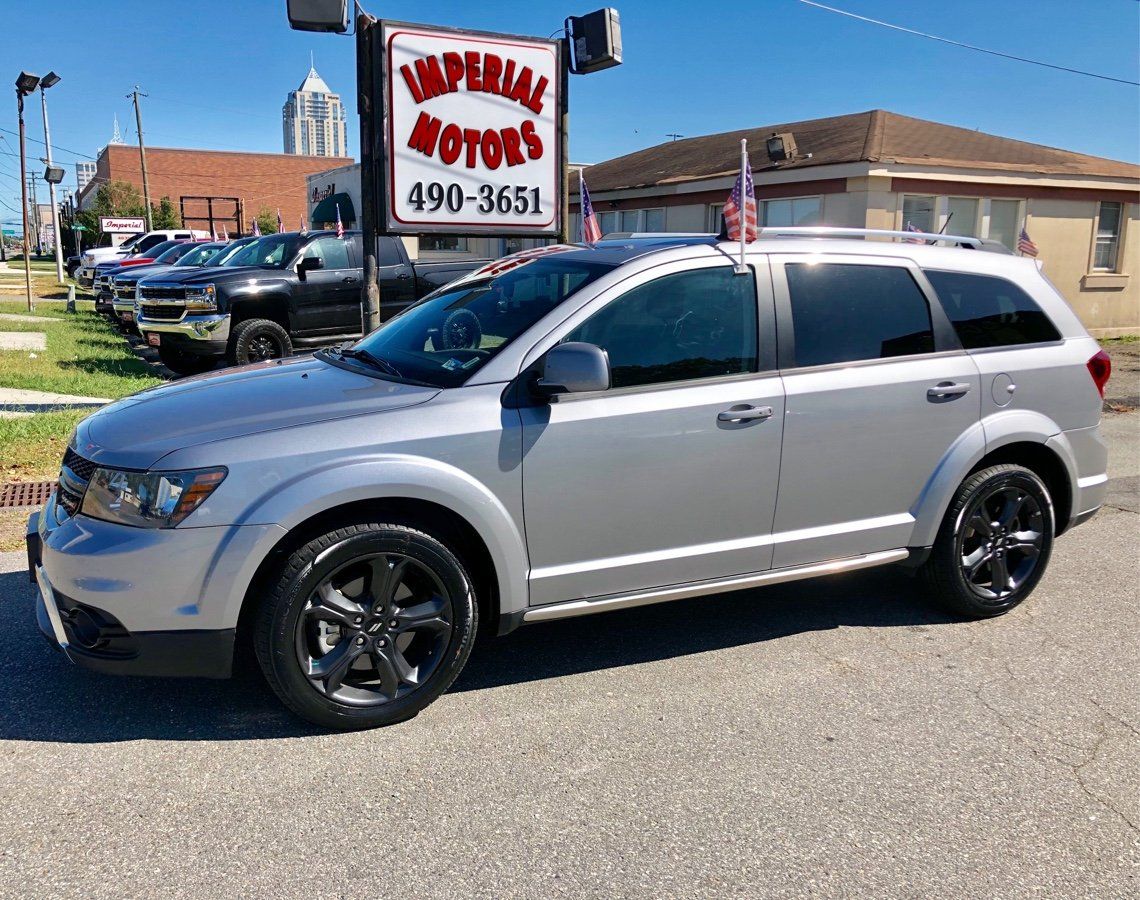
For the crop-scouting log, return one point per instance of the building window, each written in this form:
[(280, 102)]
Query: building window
[(716, 210), (919, 213), (796, 211), (1108, 222), (962, 216), (450, 242), (632, 220), (608, 222), (1004, 218)]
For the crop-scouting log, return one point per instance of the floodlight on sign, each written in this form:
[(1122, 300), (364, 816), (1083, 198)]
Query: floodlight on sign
[(318, 15), (53, 174)]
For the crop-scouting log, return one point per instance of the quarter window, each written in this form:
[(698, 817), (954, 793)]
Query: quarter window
[(843, 312), (1107, 237), (991, 312), (698, 324)]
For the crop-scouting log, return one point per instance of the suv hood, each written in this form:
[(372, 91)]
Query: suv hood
[(138, 431), (129, 273)]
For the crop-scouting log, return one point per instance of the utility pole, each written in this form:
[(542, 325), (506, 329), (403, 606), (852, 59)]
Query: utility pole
[(25, 84), (49, 80), (142, 153), (35, 211)]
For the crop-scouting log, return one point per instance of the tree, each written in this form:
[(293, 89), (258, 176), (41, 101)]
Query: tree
[(164, 215), (115, 198), (267, 220)]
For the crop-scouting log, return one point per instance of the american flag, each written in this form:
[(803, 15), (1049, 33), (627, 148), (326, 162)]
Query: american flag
[(591, 230), (225, 233), (303, 228), (732, 206), (256, 229), (339, 223), (1025, 245), (280, 224), (910, 227)]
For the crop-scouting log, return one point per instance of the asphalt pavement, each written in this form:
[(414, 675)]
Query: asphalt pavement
[(828, 738)]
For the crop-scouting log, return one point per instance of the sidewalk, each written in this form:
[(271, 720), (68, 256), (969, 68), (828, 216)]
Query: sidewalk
[(17, 403)]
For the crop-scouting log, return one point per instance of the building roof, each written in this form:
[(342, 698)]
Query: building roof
[(313, 83), (876, 136)]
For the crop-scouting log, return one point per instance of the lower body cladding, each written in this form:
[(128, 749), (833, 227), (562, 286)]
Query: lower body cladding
[(142, 601)]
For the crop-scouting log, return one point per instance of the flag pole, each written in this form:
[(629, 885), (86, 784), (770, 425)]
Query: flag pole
[(741, 268), (581, 209)]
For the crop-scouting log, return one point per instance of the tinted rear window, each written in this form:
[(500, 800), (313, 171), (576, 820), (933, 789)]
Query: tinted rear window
[(843, 313), (991, 312)]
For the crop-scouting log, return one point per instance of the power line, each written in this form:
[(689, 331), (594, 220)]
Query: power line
[(934, 37), (54, 146)]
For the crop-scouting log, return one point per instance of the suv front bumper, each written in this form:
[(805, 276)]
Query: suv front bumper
[(103, 601), (204, 335)]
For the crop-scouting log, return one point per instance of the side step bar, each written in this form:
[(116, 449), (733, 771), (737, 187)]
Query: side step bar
[(698, 589)]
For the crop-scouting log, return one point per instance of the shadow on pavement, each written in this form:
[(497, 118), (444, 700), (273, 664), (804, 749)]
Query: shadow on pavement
[(46, 698)]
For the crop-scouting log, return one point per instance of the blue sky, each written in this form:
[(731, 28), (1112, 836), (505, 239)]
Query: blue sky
[(218, 72)]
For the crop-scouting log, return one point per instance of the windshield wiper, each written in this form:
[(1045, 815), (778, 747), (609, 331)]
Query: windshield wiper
[(383, 365)]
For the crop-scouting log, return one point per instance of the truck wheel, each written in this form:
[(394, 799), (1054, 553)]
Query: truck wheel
[(366, 625), (461, 331), (994, 543), (256, 340), (182, 363)]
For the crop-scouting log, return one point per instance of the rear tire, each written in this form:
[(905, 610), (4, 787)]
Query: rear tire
[(994, 543), (182, 363), (366, 625), (258, 340)]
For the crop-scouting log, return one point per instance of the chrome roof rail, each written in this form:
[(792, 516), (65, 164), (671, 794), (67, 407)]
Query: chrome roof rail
[(829, 231)]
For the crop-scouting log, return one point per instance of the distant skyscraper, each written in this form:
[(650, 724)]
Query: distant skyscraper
[(84, 172), (313, 119)]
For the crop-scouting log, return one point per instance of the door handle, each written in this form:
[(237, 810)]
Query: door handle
[(350, 280), (403, 276), (946, 390), (745, 413)]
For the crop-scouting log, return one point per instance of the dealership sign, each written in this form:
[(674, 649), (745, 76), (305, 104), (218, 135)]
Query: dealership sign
[(122, 225), (473, 142)]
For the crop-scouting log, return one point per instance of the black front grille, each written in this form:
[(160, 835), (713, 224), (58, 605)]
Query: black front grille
[(161, 313), (68, 499), (80, 466), (153, 292), (125, 291)]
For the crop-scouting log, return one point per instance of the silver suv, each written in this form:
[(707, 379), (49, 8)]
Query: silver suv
[(626, 424)]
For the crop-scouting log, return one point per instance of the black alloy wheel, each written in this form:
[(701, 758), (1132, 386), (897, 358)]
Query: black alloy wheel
[(1000, 542), (264, 347), (365, 625), (258, 340), (374, 629), (994, 543)]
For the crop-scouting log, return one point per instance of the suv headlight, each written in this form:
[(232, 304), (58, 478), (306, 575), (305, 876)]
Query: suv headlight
[(148, 499), (202, 299), (138, 293)]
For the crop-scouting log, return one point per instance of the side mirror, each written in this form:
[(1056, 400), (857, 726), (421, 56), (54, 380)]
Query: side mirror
[(574, 368), (309, 264)]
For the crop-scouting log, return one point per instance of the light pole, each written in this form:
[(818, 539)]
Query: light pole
[(50, 80), (25, 85)]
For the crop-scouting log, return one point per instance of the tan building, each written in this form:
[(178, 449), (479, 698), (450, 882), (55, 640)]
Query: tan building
[(881, 170), (313, 120)]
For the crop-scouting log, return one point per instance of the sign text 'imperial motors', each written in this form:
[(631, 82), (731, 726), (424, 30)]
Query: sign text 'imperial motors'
[(473, 140)]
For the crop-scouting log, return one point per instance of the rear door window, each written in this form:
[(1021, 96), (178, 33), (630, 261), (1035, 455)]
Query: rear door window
[(847, 312), (333, 250), (991, 312)]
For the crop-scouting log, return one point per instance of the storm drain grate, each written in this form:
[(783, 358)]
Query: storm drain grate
[(25, 493)]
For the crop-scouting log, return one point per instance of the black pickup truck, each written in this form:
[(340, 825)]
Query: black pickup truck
[(286, 290)]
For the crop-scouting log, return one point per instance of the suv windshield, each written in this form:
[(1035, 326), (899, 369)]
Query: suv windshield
[(274, 251), (154, 251), (225, 256), (199, 255), (450, 334)]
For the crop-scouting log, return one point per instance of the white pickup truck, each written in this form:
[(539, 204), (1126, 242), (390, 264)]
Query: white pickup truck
[(137, 244)]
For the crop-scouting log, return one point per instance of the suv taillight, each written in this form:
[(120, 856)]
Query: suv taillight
[(1100, 368)]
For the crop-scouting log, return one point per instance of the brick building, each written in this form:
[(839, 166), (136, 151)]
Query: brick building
[(255, 180)]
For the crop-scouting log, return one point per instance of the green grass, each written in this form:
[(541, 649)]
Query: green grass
[(1123, 339), (85, 356), (32, 447)]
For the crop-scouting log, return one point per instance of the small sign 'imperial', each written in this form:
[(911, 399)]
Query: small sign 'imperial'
[(473, 142)]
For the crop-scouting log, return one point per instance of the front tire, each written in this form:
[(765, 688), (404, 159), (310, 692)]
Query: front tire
[(258, 340), (366, 625), (994, 543)]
